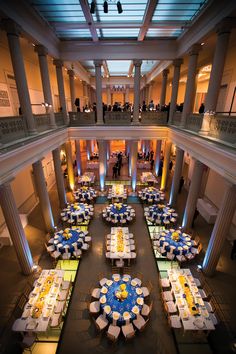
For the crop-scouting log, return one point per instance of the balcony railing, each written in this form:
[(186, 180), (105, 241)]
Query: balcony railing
[(194, 122), (117, 118), (176, 120)]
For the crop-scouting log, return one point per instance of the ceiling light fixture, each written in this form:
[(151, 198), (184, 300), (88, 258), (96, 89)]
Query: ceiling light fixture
[(119, 7), (92, 7), (105, 7)]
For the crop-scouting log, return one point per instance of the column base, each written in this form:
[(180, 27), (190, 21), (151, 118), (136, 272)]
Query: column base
[(53, 126), (32, 132)]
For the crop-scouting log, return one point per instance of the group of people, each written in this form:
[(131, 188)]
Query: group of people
[(117, 167)]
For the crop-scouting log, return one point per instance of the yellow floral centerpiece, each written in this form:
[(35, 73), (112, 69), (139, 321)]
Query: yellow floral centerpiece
[(175, 236), (39, 304), (188, 295), (66, 234), (161, 206), (120, 241), (76, 206), (84, 188), (122, 293), (118, 206)]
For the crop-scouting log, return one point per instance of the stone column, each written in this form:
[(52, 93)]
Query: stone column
[(150, 91), (147, 93), (89, 94), (88, 149), (15, 228), (133, 157), (220, 230), (102, 163), (177, 174), (223, 34), (193, 194), (78, 157), (70, 168), (165, 169), (84, 84), (42, 192), (127, 93), (13, 33), (129, 161), (59, 177), (191, 84), (61, 91), (108, 95), (72, 89), (43, 65), (137, 79), (175, 86), (163, 87), (157, 156), (98, 77)]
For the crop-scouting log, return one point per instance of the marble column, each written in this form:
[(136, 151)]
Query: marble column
[(15, 228), (129, 142), (165, 169), (59, 178), (89, 95), (70, 168), (220, 230), (13, 33), (193, 195), (133, 157), (78, 157), (223, 34), (102, 163), (175, 86), (108, 95), (150, 91), (163, 87), (88, 149), (191, 84), (72, 89), (98, 77), (147, 94), (177, 174), (43, 65), (61, 91), (42, 192), (157, 156), (84, 84), (127, 93), (137, 79)]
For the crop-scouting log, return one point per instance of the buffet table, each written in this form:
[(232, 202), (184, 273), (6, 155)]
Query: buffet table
[(118, 191), (148, 177), (191, 308), (160, 214)]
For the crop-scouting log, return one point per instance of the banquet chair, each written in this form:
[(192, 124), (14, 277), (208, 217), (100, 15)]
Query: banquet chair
[(85, 246), (180, 258), (213, 318), (120, 263), (62, 296), (170, 256), (102, 280), (208, 306), (174, 321), (140, 323), (28, 341), (60, 305), (96, 293), (88, 238), (56, 320), (203, 294), (197, 282), (66, 255), (165, 283), (55, 254), (94, 307), (128, 331), (147, 289), (65, 285), (77, 253), (146, 309), (170, 307), (113, 332), (132, 247), (101, 323), (167, 296)]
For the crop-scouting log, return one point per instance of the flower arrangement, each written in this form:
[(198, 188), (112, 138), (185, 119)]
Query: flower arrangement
[(188, 295), (175, 236), (122, 293), (120, 241), (66, 234), (84, 188), (118, 205), (46, 287)]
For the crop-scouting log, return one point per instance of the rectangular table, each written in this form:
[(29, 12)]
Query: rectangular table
[(87, 177), (47, 287), (179, 277), (115, 253), (147, 177)]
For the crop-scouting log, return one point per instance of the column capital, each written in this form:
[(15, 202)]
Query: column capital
[(137, 62), (195, 49), (177, 62), (151, 82), (98, 63), (127, 86), (58, 63), (71, 73), (11, 27), (225, 25), (41, 50), (165, 72)]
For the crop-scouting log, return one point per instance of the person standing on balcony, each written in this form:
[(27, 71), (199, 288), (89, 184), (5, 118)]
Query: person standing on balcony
[(201, 108), (151, 106), (144, 107)]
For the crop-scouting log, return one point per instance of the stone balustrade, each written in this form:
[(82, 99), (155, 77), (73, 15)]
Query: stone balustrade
[(117, 118), (223, 128), (81, 118), (12, 128), (194, 122), (154, 118), (176, 120)]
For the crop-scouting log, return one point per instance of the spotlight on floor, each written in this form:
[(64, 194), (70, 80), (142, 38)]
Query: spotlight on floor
[(119, 7), (105, 7), (199, 266), (92, 7)]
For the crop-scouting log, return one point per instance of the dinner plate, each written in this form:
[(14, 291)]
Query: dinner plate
[(104, 290), (135, 310), (116, 278), (199, 323), (140, 301), (109, 282), (126, 315), (125, 279), (103, 299), (116, 315), (133, 282), (107, 309)]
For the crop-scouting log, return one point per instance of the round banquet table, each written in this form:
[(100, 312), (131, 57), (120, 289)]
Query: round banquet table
[(128, 305), (62, 244), (160, 214), (118, 211), (181, 246), (151, 194), (85, 194), (77, 212)]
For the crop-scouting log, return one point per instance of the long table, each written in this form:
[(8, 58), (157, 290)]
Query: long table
[(192, 311), (120, 243)]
